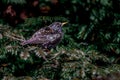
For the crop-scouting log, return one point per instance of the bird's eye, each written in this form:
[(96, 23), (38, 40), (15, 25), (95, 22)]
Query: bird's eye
[(58, 26)]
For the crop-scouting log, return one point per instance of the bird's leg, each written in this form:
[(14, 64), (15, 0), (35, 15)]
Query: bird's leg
[(47, 51), (46, 48), (42, 53)]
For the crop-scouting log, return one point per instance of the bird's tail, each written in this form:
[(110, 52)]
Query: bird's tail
[(23, 43)]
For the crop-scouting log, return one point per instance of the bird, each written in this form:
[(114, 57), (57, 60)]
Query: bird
[(47, 37)]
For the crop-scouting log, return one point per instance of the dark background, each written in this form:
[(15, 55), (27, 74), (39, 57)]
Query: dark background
[(93, 28)]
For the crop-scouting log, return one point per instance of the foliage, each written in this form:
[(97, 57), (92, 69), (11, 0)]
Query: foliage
[(14, 1), (89, 49)]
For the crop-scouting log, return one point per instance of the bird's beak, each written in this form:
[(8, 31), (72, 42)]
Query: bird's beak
[(64, 23)]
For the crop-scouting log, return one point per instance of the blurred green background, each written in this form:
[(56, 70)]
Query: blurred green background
[(89, 50)]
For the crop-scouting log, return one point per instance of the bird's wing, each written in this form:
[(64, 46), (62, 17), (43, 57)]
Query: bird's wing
[(42, 31)]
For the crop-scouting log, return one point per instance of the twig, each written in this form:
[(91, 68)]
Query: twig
[(15, 38)]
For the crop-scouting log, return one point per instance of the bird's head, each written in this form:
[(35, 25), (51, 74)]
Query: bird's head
[(57, 26)]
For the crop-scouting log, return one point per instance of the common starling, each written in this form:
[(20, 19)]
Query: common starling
[(47, 37)]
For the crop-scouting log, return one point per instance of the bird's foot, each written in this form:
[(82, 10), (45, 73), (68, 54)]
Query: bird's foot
[(43, 53)]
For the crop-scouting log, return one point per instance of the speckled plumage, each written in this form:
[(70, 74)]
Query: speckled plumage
[(47, 37)]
